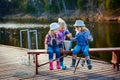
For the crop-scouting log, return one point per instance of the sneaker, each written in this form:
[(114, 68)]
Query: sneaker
[(90, 67), (83, 63), (73, 63), (89, 64), (72, 66), (63, 67)]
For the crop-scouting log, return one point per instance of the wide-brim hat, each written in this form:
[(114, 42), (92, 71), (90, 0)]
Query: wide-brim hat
[(54, 26), (79, 23)]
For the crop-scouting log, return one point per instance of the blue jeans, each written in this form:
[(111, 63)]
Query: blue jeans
[(83, 49), (51, 50)]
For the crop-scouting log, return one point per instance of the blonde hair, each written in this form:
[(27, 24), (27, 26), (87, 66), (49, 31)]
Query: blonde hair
[(61, 22), (84, 29)]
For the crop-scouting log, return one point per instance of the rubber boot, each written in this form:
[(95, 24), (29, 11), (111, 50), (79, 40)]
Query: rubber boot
[(73, 63), (50, 65), (63, 67), (89, 64), (58, 64), (83, 63)]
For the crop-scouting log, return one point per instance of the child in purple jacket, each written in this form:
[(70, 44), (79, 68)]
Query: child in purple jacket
[(62, 33)]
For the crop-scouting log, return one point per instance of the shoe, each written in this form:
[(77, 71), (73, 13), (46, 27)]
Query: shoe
[(58, 64), (83, 63), (50, 65), (90, 67), (63, 67), (89, 64), (73, 63)]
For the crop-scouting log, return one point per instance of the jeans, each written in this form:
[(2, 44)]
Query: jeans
[(83, 49), (51, 50)]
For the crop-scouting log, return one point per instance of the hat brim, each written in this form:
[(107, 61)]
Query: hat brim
[(55, 28), (80, 25)]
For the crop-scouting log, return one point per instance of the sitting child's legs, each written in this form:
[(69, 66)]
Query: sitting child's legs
[(61, 46), (75, 51), (87, 57), (57, 51), (62, 62), (50, 52)]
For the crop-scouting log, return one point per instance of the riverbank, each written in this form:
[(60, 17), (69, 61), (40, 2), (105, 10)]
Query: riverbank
[(69, 18)]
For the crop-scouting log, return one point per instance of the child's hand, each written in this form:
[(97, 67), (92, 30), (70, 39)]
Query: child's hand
[(56, 34), (90, 38), (46, 46), (69, 35)]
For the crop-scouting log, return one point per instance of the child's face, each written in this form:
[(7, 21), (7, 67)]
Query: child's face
[(62, 27), (54, 31), (78, 29)]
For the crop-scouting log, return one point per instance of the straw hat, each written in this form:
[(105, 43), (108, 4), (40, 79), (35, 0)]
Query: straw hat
[(54, 26), (79, 23)]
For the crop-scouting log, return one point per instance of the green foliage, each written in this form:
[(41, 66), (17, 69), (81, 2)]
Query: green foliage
[(28, 7), (112, 4), (46, 7), (54, 6), (80, 4), (51, 8)]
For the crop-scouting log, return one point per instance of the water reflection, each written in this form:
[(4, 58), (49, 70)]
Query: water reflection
[(105, 35)]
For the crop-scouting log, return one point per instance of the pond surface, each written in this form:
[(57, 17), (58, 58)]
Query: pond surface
[(105, 35)]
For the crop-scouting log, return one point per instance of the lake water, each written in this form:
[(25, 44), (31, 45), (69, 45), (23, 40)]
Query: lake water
[(105, 35)]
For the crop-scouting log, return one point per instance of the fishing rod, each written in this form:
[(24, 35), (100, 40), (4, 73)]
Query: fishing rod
[(94, 21), (77, 63)]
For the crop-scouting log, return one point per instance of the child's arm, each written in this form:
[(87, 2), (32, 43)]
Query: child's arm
[(69, 35), (90, 37), (73, 38), (46, 46), (45, 42)]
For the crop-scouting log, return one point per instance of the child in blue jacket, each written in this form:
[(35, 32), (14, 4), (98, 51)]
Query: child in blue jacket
[(82, 38)]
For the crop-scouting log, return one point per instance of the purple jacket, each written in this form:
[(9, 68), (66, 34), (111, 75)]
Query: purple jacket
[(62, 35)]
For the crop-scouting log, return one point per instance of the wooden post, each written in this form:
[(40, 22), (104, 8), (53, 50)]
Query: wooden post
[(29, 58), (115, 60), (118, 60), (36, 63)]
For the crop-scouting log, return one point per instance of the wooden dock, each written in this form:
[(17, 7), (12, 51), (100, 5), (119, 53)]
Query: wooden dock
[(14, 66)]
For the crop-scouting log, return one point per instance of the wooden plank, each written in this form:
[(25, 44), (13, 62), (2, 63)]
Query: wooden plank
[(104, 49), (91, 50)]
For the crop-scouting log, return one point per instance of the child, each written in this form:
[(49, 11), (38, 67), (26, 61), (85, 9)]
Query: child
[(82, 39), (51, 44), (62, 33)]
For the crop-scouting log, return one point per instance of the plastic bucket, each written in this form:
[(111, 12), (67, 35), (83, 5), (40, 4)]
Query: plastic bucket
[(68, 45)]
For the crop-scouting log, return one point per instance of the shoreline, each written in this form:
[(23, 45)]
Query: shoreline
[(48, 19)]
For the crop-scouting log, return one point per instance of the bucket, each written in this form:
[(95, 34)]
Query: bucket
[(68, 45)]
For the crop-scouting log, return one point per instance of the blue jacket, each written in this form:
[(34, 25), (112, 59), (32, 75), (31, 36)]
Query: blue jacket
[(82, 38)]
